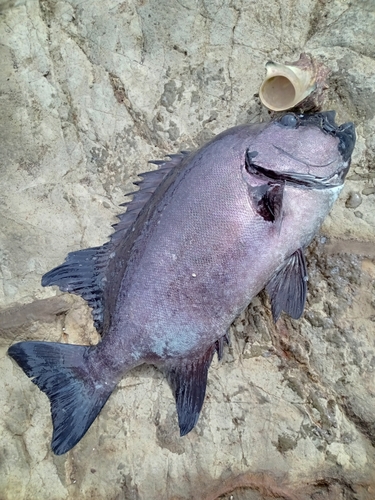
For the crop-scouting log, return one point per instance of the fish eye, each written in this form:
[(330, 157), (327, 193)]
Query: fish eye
[(289, 121)]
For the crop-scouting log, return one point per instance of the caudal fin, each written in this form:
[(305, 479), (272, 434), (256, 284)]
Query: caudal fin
[(62, 372)]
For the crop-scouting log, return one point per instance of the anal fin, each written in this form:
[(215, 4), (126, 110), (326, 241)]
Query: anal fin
[(288, 287), (188, 380)]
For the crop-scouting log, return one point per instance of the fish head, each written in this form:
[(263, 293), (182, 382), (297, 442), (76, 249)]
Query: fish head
[(308, 150)]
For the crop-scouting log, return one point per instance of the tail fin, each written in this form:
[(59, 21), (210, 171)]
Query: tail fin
[(62, 372)]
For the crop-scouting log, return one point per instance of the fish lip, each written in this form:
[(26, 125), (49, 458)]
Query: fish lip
[(302, 181), (347, 137), (326, 122)]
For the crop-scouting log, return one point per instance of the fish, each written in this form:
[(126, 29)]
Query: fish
[(205, 232)]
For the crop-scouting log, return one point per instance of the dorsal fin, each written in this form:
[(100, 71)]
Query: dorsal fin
[(86, 272)]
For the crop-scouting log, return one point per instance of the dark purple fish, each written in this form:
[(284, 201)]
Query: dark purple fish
[(203, 235)]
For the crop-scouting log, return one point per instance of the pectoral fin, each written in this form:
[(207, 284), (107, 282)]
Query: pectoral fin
[(268, 200), (288, 287), (188, 381)]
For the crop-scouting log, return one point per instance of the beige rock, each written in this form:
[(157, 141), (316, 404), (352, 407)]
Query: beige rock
[(90, 91)]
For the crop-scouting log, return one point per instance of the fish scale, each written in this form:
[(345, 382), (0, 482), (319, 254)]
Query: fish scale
[(201, 237)]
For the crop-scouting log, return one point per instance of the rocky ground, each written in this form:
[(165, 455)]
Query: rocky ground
[(89, 92)]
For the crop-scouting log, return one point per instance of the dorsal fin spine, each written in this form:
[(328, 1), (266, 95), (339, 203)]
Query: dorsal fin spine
[(84, 271)]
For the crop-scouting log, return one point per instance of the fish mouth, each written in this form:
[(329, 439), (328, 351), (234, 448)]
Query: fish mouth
[(326, 122), (304, 181)]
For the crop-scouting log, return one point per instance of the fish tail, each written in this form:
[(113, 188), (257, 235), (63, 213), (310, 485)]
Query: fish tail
[(62, 372)]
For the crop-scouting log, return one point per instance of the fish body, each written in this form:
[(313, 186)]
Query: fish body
[(203, 235)]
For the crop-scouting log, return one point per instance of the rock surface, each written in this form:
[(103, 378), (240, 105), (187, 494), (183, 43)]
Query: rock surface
[(89, 92)]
